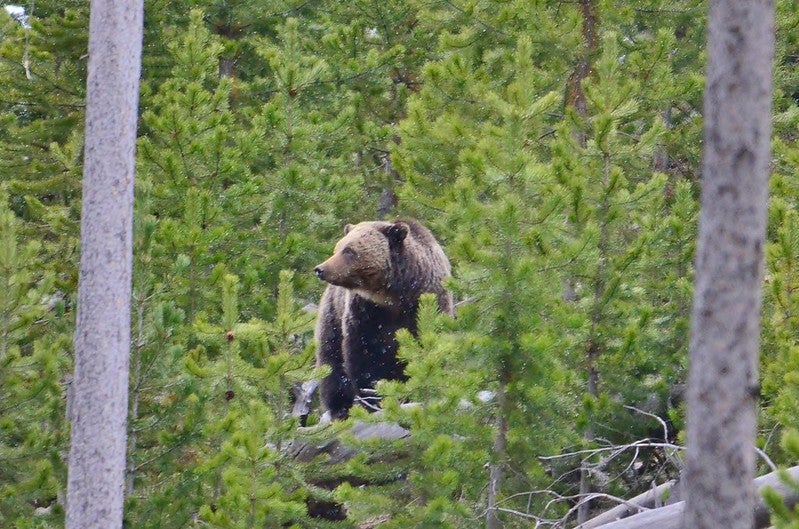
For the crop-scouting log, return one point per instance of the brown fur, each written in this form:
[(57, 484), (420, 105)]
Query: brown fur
[(376, 274)]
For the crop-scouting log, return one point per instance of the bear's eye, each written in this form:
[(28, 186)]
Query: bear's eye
[(349, 252)]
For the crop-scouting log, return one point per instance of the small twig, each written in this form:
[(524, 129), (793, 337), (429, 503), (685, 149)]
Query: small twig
[(644, 443), (582, 498), (661, 421), (367, 398), (766, 458), (26, 55)]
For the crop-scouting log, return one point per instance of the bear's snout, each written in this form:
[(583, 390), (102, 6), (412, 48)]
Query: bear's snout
[(320, 272)]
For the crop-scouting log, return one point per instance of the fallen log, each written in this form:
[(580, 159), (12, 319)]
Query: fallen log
[(337, 451), (646, 501), (303, 396), (670, 517)]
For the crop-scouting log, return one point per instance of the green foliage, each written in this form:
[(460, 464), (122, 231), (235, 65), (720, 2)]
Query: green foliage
[(42, 107), (30, 366), (256, 483), (267, 126), (555, 224), (41, 136), (229, 398), (614, 204), (780, 355)]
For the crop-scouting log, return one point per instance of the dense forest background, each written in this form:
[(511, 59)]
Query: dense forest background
[(553, 148)]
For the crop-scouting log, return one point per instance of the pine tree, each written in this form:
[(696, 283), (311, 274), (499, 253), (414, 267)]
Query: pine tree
[(32, 432), (43, 107), (41, 141), (248, 369), (41, 145), (576, 191), (163, 418), (503, 203), (267, 126), (779, 357), (306, 189)]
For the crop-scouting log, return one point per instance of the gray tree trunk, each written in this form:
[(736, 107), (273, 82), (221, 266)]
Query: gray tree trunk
[(500, 446), (102, 338), (723, 380)]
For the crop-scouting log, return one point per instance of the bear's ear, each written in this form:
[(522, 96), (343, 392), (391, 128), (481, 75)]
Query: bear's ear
[(347, 228), (396, 233)]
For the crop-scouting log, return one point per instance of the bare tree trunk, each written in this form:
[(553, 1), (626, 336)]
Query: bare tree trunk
[(388, 198), (595, 346), (102, 337), (575, 96), (134, 395), (723, 380), (495, 469)]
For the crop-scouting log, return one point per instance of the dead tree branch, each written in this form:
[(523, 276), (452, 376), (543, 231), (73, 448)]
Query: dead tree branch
[(670, 517)]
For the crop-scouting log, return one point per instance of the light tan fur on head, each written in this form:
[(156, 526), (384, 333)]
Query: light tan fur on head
[(360, 261)]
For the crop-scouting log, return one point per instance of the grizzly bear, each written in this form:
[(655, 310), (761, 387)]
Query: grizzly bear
[(375, 277)]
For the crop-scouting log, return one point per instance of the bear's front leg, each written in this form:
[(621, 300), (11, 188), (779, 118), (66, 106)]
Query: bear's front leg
[(370, 349), (337, 390), (337, 393)]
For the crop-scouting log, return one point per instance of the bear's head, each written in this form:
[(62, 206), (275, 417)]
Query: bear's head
[(361, 260)]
